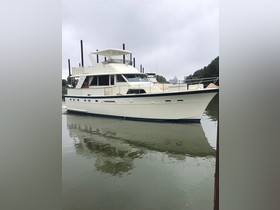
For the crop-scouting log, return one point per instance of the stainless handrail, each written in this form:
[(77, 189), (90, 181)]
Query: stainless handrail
[(202, 80)]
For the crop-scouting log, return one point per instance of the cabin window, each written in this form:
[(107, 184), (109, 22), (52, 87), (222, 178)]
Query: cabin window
[(135, 91), (136, 78), (94, 81), (112, 80), (120, 78), (103, 80), (86, 83)]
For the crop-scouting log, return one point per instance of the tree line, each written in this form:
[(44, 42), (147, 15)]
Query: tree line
[(212, 70)]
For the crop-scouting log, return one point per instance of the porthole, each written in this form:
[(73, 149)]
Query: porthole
[(77, 99), (88, 100), (96, 100), (73, 99)]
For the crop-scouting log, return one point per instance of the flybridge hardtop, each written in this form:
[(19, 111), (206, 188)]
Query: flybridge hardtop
[(111, 52), (101, 68), (114, 87)]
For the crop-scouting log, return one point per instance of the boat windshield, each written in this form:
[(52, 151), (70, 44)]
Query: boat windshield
[(136, 78)]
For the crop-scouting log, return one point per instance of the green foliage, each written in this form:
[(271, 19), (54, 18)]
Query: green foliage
[(161, 79), (212, 70), (64, 82)]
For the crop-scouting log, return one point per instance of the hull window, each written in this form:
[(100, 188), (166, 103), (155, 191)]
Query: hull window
[(135, 91), (109, 101)]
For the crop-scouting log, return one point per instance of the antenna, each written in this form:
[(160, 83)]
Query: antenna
[(97, 58), (123, 46), (82, 54), (69, 67)]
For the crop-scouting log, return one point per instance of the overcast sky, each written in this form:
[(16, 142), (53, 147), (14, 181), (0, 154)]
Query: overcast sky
[(168, 37)]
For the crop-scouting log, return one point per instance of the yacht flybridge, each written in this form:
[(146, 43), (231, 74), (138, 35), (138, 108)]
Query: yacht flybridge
[(115, 88)]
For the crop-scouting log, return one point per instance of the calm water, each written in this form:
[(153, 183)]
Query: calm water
[(119, 164)]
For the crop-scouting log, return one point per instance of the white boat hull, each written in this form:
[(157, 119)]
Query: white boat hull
[(187, 105)]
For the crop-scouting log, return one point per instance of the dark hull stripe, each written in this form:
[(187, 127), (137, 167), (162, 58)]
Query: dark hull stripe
[(148, 95), (137, 119)]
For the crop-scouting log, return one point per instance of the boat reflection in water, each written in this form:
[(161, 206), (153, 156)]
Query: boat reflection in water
[(115, 144), (212, 110)]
